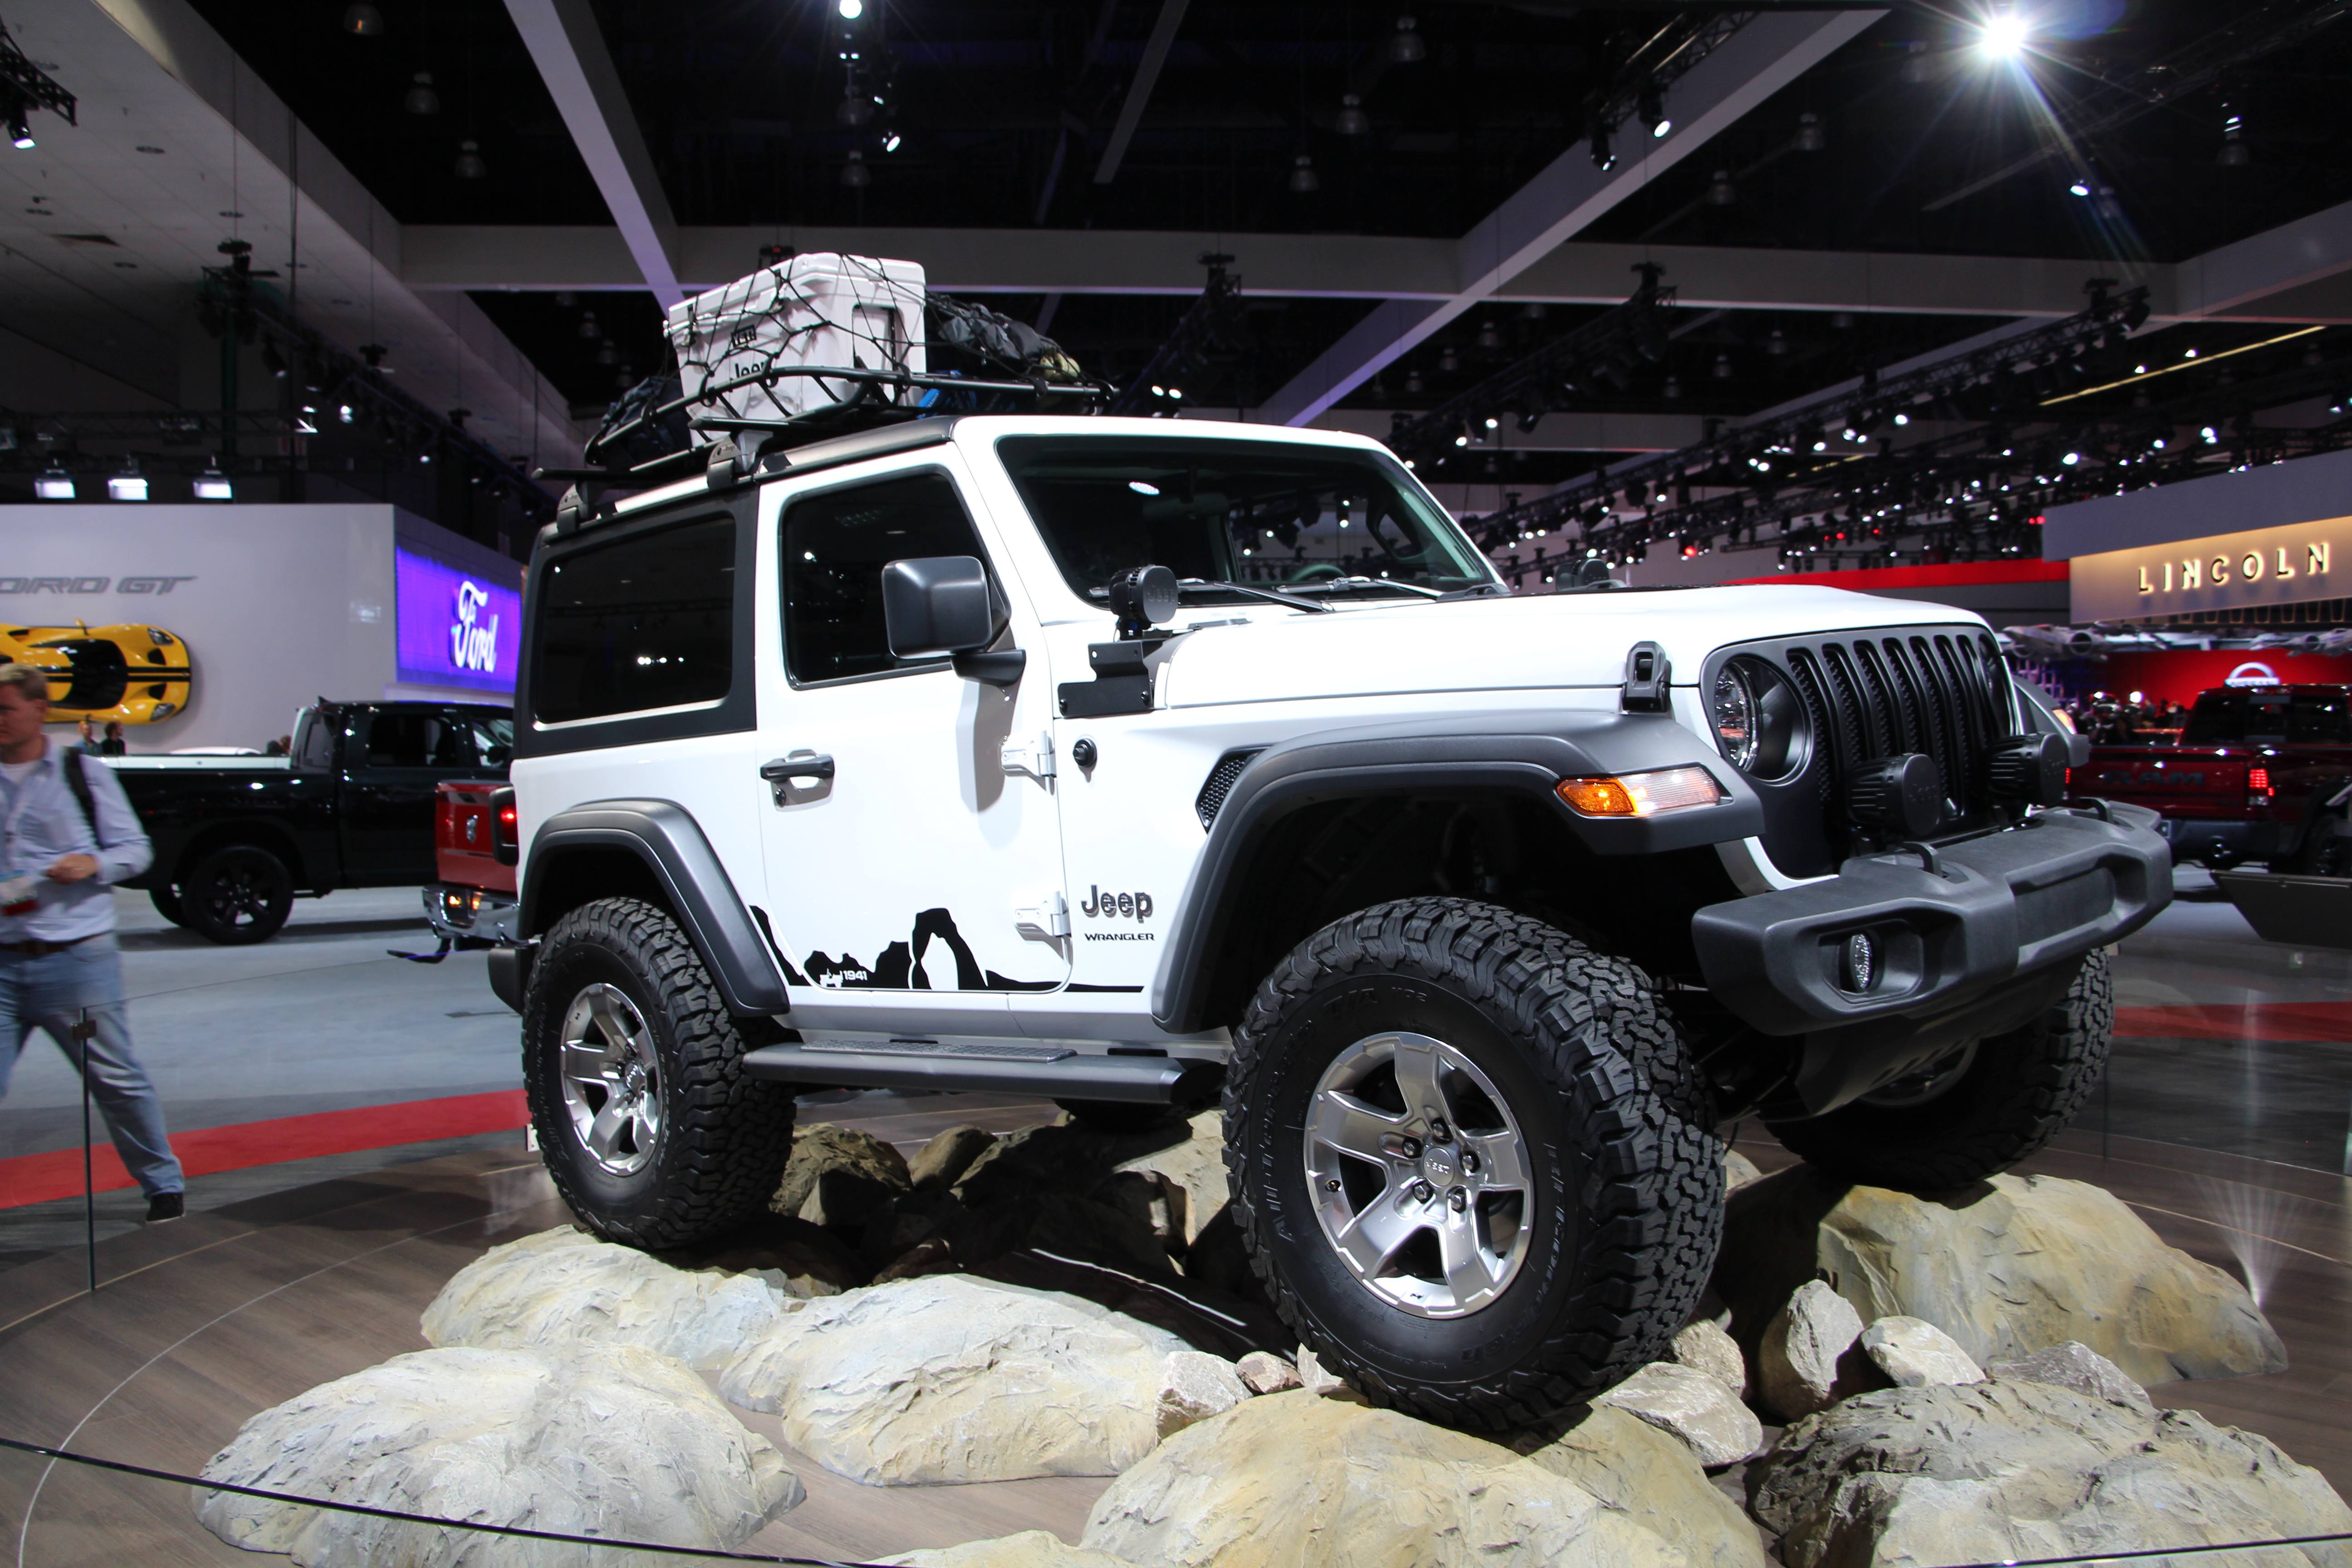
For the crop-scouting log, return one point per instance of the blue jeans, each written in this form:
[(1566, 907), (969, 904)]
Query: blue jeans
[(49, 994)]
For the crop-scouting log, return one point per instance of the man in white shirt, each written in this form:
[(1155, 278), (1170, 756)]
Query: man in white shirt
[(62, 850)]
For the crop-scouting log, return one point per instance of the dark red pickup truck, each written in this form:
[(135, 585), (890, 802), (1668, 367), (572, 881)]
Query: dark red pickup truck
[(2261, 773)]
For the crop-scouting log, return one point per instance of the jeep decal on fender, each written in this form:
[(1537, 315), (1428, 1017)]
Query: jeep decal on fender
[(1100, 905)]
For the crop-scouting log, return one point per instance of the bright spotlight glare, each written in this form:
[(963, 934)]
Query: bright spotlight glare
[(2079, 188), (2003, 36), (852, 9)]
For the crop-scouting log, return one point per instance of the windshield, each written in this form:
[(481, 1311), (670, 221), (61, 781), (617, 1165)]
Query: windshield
[(2303, 716), (1315, 520)]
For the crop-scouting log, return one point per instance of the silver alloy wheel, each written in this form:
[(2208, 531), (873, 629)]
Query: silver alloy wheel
[(1919, 1088), (612, 1079), (1426, 1204)]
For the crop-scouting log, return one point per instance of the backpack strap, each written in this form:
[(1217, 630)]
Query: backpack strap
[(79, 781)]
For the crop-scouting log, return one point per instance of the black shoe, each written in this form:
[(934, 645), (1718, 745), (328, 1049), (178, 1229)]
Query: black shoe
[(166, 1206)]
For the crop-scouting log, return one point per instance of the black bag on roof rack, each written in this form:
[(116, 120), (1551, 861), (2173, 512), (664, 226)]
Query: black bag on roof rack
[(972, 340), (635, 426)]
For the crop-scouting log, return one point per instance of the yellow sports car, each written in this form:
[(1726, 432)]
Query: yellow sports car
[(137, 675)]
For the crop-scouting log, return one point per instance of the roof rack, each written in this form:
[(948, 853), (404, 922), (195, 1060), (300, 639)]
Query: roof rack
[(725, 462)]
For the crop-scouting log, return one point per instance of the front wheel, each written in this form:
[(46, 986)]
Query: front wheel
[(1981, 1109), (651, 1130), (1469, 1159), (237, 895)]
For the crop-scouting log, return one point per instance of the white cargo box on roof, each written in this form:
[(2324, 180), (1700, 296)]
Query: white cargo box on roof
[(858, 311)]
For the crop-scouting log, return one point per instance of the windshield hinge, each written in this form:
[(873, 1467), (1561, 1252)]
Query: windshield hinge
[(1647, 674)]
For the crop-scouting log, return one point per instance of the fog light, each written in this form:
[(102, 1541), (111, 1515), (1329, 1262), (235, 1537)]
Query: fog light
[(1858, 964), (1640, 795)]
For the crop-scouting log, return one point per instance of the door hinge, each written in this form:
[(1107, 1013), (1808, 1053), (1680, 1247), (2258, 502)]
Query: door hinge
[(1034, 757), (1048, 919)]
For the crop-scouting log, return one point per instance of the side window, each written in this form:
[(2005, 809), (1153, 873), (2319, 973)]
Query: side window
[(636, 625), (835, 547)]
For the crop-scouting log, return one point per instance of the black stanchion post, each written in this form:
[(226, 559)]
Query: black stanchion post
[(82, 1030)]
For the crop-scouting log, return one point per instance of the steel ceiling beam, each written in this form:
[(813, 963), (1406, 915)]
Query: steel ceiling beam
[(1138, 91), (1766, 55), (570, 52)]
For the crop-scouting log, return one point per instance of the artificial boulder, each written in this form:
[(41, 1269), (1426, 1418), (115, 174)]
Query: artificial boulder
[(1292, 1479), (1915, 1353), (2001, 1470), (949, 1378), (1806, 1359), (2077, 1367), (1263, 1372), (942, 1162), (1637, 1470), (1029, 1549), (1194, 1171), (1739, 1170), (562, 1287), (2007, 1268), (1702, 1347), (610, 1440), (1194, 1386), (1695, 1409), (820, 1147)]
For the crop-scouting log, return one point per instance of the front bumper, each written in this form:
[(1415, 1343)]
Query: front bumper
[(2001, 906), (473, 916)]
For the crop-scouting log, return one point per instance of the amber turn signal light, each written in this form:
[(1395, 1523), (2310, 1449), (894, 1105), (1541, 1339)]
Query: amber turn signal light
[(1640, 795)]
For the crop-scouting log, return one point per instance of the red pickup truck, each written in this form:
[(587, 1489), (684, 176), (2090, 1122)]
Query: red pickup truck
[(475, 851), (2260, 772)]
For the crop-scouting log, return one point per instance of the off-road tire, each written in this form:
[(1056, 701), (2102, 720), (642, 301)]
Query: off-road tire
[(1627, 1179), (238, 895), (1116, 1115), (725, 1134), (2020, 1092)]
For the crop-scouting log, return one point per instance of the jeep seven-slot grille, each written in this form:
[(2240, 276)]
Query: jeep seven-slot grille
[(1881, 694), (1220, 784)]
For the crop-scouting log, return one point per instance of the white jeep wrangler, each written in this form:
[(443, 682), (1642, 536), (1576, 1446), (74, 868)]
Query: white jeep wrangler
[(1122, 762)]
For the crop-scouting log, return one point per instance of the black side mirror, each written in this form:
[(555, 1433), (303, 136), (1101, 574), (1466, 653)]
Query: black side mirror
[(933, 605)]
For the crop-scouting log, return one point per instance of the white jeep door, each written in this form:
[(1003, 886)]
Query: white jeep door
[(914, 860)]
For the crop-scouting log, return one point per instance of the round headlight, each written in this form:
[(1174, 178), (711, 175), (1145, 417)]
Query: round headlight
[(1733, 708)]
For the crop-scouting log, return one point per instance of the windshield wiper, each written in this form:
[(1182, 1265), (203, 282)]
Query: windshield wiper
[(1478, 591), (1355, 584), (1272, 595)]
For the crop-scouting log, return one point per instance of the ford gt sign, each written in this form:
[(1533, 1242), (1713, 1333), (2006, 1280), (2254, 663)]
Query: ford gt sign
[(456, 627)]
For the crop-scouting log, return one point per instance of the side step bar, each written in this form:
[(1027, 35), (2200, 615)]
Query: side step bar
[(1054, 1072)]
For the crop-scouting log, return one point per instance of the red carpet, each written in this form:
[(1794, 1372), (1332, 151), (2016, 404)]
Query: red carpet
[(39, 1178), (2323, 1021)]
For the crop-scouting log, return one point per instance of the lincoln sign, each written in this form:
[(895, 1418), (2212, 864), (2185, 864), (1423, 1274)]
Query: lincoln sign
[(2227, 572)]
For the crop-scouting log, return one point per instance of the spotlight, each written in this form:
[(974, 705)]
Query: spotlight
[(127, 485), (1650, 105), (20, 131), (1723, 367), (1352, 121), (1604, 158), (1448, 360), (343, 413), (1672, 389), (1304, 182), (1902, 419), (2070, 459), (588, 327), (214, 485), (2211, 436), (54, 484), (855, 175), (422, 99), (856, 109), (1810, 136), (362, 20), (2002, 36), (469, 165), (2080, 187), (2234, 154), (1488, 337), (852, 9), (1720, 191), (1405, 47), (891, 142)]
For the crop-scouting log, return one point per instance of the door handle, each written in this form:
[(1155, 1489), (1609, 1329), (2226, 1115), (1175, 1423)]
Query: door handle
[(799, 765)]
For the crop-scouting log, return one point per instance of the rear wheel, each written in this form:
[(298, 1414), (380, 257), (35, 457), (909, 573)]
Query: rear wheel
[(236, 896), (650, 1127), (1470, 1160), (167, 904), (1978, 1112)]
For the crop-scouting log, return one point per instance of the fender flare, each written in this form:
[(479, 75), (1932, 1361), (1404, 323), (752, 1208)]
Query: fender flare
[(665, 836), (1507, 752)]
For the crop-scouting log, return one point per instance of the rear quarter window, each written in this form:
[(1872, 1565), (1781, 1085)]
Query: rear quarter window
[(639, 624)]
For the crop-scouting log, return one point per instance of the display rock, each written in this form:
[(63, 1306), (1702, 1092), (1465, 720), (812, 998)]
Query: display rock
[(2010, 1267), (1803, 1363), (2003, 1470), (1266, 1372), (1194, 1386), (820, 1147), (1636, 1469), (1292, 1479), (1705, 1348), (1739, 1170), (1693, 1408), (942, 1162), (2074, 1366), (563, 1287), (949, 1378), (1196, 1168), (1915, 1353), (1029, 1549), (609, 1439)]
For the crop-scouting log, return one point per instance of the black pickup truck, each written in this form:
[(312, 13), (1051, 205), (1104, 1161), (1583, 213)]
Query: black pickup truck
[(237, 838)]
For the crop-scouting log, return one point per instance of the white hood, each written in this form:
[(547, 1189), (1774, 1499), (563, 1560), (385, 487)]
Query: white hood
[(1549, 640)]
